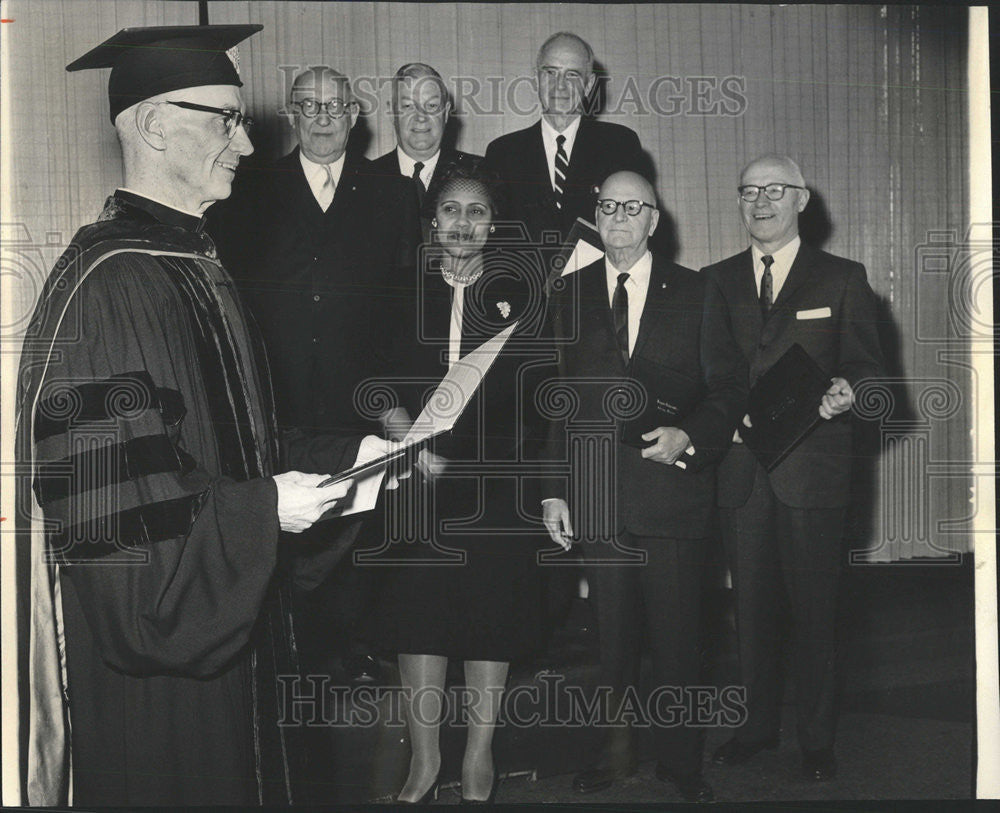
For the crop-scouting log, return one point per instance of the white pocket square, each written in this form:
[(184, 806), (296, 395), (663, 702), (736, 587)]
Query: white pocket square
[(815, 313)]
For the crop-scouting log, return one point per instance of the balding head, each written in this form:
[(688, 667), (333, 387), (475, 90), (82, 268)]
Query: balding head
[(775, 164), (322, 132), (568, 41), (564, 70), (772, 224), (316, 79), (630, 181)]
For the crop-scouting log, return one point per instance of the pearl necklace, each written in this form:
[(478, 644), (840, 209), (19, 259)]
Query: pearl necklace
[(458, 279)]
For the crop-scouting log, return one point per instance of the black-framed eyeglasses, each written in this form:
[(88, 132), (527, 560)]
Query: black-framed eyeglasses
[(632, 207), (232, 118), (772, 191), (335, 108)]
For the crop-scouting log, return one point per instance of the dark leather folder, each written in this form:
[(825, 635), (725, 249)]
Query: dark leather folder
[(670, 397), (784, 406)]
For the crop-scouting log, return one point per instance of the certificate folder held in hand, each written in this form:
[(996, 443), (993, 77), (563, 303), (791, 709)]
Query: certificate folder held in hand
[(670, 397), (784, 406), (444, 407)]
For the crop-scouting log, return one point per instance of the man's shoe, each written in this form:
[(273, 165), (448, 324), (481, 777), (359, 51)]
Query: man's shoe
[(692, 787), (593, 780), (820, 766), (736, 752), (363, 669)]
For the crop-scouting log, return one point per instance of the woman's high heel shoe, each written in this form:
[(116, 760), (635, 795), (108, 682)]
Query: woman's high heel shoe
[(491, 799), (429, 796)]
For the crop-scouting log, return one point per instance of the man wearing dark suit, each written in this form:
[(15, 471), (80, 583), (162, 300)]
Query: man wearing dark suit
[(420, 110), (631, 311), (783, 531), (323, 251), (551, 168)]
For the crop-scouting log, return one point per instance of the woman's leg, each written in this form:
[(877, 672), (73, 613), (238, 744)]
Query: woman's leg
[(485, 681), (422, 677)]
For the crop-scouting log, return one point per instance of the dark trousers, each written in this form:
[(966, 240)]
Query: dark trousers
[(785, 557), (664, 597)]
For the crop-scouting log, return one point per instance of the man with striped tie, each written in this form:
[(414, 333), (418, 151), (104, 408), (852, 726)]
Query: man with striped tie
[(551, 168)]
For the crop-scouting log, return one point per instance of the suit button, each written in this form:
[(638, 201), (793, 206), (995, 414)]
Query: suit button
[(316, 297), (315, 339)]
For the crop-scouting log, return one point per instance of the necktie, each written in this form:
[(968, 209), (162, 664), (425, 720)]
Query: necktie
[(619, 307), (562, 169), (766, 286), (421, 189), (327, 189)]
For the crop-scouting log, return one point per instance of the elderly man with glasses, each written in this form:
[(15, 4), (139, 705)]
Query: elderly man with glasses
[(630, 327), (155, 622), (323, 250), (783, 529)]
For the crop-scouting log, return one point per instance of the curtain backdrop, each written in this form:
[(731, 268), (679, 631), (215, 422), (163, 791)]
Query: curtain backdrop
[(870, 100)]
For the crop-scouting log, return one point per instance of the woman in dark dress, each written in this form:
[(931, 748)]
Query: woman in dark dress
[(471, 591)]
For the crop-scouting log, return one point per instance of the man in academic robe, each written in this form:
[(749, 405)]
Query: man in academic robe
[(551, 168), (783, 529), (629, 327), (150, 511), (420, 111), (323, 250)]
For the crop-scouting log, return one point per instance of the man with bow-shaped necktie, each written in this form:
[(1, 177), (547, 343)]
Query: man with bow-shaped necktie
[(783, 530)]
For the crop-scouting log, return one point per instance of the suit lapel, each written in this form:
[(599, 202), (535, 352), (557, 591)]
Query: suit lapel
[(580, 160), (540, 165), (292, 178), (657, 295), (745, 311), (344, 194), (798, 275), (596, 318)]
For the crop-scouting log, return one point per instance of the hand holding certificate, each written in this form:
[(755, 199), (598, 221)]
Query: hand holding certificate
[(443, 409)]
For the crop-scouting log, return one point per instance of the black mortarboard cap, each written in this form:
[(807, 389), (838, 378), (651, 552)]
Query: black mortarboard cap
[(145, 62)]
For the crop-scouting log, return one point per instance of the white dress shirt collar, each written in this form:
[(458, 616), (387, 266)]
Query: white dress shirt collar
[(406, 165), (637, 286), (316, 174), (549, 135), (157, 200), (783, 259)]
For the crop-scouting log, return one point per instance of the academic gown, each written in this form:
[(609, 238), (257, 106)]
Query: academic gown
[(147, 425)]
